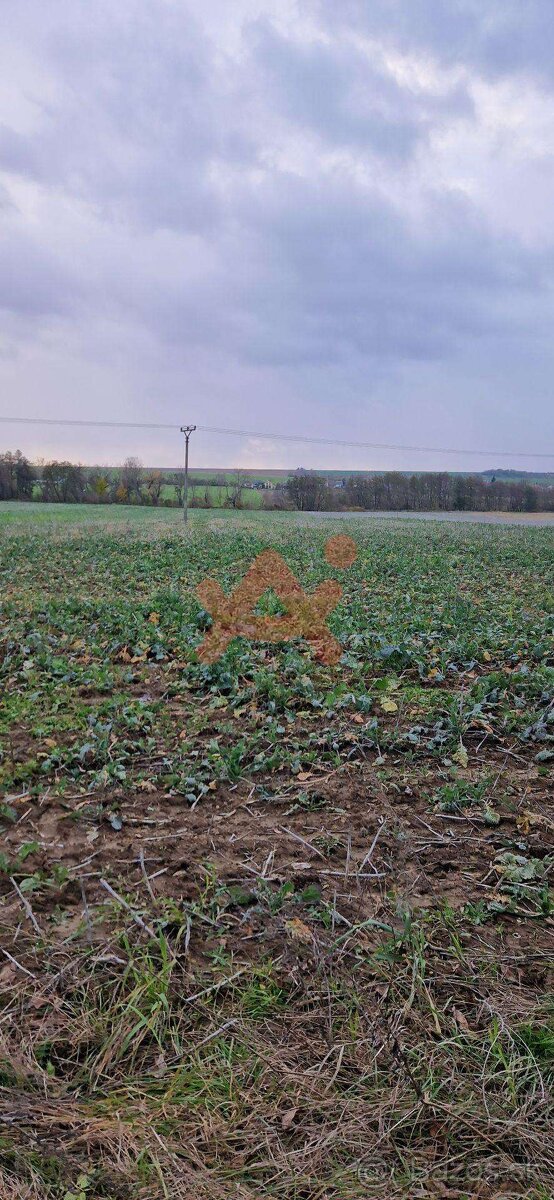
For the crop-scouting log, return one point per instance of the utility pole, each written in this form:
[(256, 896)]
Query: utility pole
[(187, 430)]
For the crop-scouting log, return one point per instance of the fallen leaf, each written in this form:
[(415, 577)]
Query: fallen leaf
[(38, 1001), (389, 706), (154, 618), (298, 930), (528, 819)]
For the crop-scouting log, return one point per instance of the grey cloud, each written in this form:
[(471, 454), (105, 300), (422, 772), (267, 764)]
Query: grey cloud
[(193, 243), (497, 37), (18, 153), (335, 93), (138, 118), (33, 283), (313, 275), (360, 280), (344, 96)]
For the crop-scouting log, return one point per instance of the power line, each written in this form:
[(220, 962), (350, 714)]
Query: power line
[(285, 437), (69, 421), (275, 437)]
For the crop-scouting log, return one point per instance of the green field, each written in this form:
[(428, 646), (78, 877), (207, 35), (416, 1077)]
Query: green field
[(251, 498), (23, 515), (269, 927), (14, 512)]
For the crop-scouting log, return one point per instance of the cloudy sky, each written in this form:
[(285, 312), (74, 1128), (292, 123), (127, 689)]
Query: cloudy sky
[(326, 217)]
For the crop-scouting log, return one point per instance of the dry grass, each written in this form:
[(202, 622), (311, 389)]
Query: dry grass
[(413, 1064)]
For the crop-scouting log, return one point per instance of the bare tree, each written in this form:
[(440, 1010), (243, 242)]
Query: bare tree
[(64, 482), (178, 482), (16, 477), (131, 479), (309, 492), (235, 489), (154, 483)]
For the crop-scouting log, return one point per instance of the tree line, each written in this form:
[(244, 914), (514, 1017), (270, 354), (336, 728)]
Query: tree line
[(64, 482), (425, 492)]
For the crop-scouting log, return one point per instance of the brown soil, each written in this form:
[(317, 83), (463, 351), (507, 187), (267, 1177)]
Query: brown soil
[(422, 857)]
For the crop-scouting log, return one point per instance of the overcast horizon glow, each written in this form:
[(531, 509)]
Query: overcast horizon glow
[(304, 216)]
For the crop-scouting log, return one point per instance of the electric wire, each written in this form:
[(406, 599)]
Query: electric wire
[(277, 437)]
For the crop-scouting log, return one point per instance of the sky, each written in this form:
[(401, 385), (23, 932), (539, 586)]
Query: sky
[(313, 217)]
